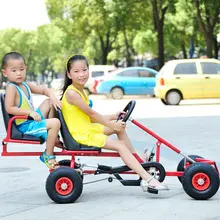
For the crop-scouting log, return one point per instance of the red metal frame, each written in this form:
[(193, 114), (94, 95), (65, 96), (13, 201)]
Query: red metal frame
[(96, 153)]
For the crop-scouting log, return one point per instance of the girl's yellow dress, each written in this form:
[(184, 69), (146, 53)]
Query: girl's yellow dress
[(79, 124)]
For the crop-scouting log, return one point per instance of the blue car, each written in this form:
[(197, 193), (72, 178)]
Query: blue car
[(129, 81)]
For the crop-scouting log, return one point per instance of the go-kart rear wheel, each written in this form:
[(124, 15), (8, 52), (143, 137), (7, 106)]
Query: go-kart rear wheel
[(64, 185), (157, 170), (200, 181), (66, 163), (180, 166)]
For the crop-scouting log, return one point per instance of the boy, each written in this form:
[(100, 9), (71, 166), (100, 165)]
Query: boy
[(18, 101)]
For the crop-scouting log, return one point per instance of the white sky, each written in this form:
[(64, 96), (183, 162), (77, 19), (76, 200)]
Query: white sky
[(24, 14)]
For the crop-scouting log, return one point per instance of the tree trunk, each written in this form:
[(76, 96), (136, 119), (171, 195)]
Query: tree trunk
[(105, 49), (104, 56), (209, 43), (216, 48), (184, 50), (207, 25), (128, 54), (106, 45), (45, 64), (160, 46), (158, 17)]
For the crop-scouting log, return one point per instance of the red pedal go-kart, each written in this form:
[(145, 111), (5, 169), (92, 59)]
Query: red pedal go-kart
[(199, 177)]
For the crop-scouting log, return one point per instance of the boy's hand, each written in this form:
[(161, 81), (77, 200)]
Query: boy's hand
[(56, 103), (119, 126), (35, 116)]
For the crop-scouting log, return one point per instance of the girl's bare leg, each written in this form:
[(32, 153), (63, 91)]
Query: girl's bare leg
[(129, 159), (121, 136), (47, 109)]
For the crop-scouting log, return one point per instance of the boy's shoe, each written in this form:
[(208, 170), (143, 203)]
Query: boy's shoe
[(146, 187), (148, 155), (49, 160)]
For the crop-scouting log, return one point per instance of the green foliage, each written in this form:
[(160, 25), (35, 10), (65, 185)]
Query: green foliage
[(105, 30)]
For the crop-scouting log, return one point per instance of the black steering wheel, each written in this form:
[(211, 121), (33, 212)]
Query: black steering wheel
[(128, 110)]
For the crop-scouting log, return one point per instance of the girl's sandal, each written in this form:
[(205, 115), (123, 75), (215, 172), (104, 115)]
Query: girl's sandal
[(146, 187), (49, 161)]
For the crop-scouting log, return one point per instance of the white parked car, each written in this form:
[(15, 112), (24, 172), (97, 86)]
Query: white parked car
[(96, 72)]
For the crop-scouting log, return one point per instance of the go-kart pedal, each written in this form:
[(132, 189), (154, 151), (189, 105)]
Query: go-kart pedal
[(104, 167), (153, 191)]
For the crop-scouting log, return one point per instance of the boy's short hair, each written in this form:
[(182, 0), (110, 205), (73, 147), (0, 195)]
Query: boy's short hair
[(11, 55)]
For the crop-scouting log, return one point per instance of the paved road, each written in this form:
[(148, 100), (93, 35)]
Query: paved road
[(194, 128)]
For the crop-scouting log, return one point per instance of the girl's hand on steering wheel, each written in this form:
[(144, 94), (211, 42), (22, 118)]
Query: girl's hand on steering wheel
[(119, 126), (120, 114)]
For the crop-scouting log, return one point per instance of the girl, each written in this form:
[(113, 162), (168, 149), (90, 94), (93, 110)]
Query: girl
[(90, 128)]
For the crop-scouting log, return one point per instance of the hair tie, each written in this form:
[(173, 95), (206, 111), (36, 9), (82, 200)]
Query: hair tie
[(75, 54), (68, 61)]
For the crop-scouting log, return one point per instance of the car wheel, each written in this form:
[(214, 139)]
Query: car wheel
[(173, 98), (116, 93), (163, 101)]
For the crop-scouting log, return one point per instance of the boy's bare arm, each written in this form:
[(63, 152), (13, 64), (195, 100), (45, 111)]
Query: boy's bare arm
[(10, 100), (43, 90)]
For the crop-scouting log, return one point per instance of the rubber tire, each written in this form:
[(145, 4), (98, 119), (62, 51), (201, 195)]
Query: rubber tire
[(73, 176), (161, 169), (164, 101), (119, 89), (180, 166), (177, 93), (198, 168), (66, 163)]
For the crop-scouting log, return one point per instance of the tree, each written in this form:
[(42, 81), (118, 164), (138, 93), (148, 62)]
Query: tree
[(129, 16), (208, 15), (180, 31), (14, 39), (160, 8), (85, 17), (49, 50)]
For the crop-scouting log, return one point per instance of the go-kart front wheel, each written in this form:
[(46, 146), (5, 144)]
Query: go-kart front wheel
[(181, 164), (200, 181), (64, 185)]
